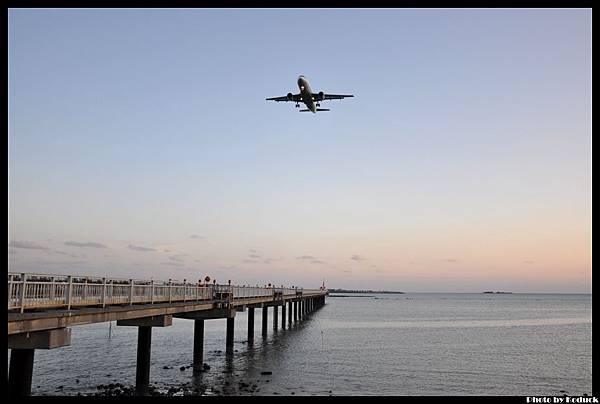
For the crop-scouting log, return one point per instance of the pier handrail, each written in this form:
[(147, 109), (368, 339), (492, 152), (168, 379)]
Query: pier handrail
[(32, 290)]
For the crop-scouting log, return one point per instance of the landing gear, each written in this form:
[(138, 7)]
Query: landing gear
[(318, 105), (297, 105)]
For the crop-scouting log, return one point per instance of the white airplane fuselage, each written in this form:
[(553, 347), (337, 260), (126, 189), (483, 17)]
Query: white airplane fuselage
[(306, 94)]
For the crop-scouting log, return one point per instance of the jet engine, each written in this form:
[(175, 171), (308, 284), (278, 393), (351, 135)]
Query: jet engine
[(290, 96), (321, 96)]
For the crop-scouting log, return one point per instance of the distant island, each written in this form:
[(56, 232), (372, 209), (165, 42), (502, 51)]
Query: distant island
[(499, 292), (361, 291)]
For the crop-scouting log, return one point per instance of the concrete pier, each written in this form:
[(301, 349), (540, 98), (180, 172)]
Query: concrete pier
[(250, 325), (41, 310)]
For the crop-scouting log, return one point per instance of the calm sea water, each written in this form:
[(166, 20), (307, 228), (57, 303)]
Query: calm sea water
[(367, 344)]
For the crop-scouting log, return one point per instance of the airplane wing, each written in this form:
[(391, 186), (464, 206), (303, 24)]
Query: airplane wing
[(332, 96), (294, 97)]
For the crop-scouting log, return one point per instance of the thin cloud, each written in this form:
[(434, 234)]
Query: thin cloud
[(29, 245), (306, 257), (450, 260), (269, 260), (62, 263), (196, 236), (255, 256), (87, 244), (173, 264), (318, 262), (529, 262), (138, 248), (358, 258), (177, 258)]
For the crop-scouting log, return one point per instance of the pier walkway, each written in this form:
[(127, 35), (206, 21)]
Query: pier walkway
[(42, 308)]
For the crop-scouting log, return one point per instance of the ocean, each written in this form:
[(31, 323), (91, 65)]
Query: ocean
[(357, 344)]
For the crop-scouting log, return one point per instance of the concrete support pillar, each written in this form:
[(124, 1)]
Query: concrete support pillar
[(295, 312), (20, 372), (283, 315), (290, 314), (144, 325), (275, 317), (23, 348), (142, 373), (229, 335), (198, 344), (265, 317), (250, 325)]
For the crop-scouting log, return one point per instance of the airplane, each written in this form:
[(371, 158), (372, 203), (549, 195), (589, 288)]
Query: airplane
[(310, 99)]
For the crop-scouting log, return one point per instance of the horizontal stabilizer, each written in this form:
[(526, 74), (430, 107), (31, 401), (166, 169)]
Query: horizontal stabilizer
[(305, 110), (323, 109)]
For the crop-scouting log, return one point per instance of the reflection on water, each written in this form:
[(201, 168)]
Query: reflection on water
[(412, 344)]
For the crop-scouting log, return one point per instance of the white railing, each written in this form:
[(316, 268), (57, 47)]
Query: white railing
[(29, 291)]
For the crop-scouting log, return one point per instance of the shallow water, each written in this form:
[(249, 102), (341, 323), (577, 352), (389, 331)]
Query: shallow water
[(371, 344)]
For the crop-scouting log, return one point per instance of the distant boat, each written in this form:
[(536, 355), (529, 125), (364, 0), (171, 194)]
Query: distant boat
[(508, 293)]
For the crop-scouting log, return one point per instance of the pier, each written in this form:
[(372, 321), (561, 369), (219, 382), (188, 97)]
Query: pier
[(42, 309)]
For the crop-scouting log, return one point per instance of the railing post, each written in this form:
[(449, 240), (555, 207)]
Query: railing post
[(52, 293), (84, 293), (10, 290), (152, 283), (69, 292), (131, 291), (22, 297), (170, 291), (103, 292), (184, 289)]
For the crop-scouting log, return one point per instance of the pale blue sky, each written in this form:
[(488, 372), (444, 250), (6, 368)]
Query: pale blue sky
[(462, 163)]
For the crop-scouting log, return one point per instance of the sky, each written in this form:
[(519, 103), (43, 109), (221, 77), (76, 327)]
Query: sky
[(141, 145)]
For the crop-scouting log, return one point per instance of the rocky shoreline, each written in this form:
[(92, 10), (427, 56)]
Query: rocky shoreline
[(184, 389)]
